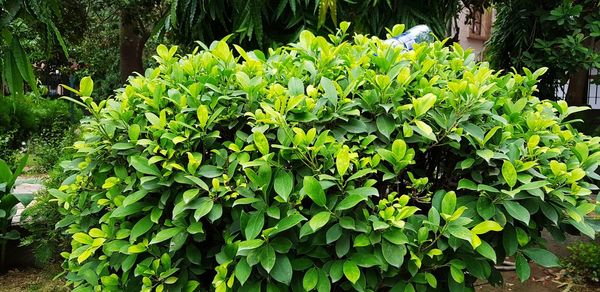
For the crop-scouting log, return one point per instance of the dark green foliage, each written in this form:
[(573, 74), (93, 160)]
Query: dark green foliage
[(583, 263), (8, 203), (47, 147), (263, 24), (555, 34), (25, 117), (327, 165)]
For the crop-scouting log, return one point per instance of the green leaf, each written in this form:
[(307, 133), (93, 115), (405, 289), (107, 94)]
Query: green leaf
[(449, 203), (485, 208), (399, 149), (86, 86), (310, 280), (242, 270), (425, 130), (189, 195), (431, 280), (342, 161), (267, 257), (350, 201), (204, 207), (533, 185), (467, 184), (460, 232), (543, 257), (361, 240), (83, 238), (549, 211), (141, 164), (134, 132), (363, 191), (487, 251), (486, 154), (485, 227), (124, 211), (287, 223), (195, 228), (209, 171), (509, 173), (386, 125), (282, 270), (457, 274), (333, 234), (517, 211), (395, 236), (22, 63), (522, 267), (324, 285), (351, 271), (140, 228), (295, 86), (261, 143), (202, 114), (319, 220), (423, 104), (314, 190), (254, 225), (166, 234), (283, 184), (393, 253), (250, 244), (509, 240)]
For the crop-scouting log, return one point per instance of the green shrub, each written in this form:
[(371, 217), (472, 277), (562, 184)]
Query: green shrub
[(47, 147), (328, 165), (24, 117), (583, 262), (40, 218)]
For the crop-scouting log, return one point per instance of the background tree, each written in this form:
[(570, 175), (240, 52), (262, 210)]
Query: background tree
[(556, 34), (17, 19), (267, 23), (127, 26)]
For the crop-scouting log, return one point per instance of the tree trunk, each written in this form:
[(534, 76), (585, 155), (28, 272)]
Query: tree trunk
[(132, 41), (578, 82), (578, 85)]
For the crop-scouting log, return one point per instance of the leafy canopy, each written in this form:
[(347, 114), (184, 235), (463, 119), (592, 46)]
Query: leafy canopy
[(324, 165)]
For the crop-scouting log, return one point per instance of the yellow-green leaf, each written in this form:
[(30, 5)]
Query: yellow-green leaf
[(509, 173)]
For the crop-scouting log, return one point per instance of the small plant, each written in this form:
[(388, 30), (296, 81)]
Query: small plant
[(583, 262), (47, 146), (46, 236), (324, 165), (8, 203)]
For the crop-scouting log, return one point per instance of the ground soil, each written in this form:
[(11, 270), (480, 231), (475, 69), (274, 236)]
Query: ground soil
[(32, 279), (543, 279)]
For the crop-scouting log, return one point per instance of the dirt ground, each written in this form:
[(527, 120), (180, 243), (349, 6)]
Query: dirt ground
[(32, 279), (543, 279)]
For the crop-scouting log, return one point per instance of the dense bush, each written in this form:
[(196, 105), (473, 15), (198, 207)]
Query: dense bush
[(583, 262), (328, 165)]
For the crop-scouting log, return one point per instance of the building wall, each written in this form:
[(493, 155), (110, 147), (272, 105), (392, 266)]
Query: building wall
[(469, 39)]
